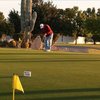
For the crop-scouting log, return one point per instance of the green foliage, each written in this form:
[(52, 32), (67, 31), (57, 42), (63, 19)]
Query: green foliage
[(93, 25), (2, 18), (14, 19), (5, 26), (46, 11)]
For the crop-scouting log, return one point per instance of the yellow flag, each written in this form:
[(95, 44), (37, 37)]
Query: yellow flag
[(17, 83)]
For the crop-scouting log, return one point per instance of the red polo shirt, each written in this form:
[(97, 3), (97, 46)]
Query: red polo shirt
[(47, 30)]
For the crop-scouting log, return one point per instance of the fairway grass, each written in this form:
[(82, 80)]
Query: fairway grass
[(55, 75)]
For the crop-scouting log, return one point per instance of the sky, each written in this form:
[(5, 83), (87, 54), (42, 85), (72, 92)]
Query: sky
[(7, 5)]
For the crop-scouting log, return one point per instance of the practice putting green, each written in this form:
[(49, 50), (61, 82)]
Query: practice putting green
[(55, 75)]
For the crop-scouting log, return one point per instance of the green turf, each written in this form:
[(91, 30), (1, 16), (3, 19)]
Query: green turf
[(55, 75)]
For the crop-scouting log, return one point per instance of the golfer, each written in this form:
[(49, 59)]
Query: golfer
[(48, 36)]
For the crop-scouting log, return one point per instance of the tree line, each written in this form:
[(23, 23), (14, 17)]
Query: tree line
[(68, 22)]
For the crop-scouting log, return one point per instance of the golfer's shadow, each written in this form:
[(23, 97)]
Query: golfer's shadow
[(61, 91)]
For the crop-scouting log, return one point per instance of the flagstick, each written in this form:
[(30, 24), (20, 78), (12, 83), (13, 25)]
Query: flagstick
[(13, 94)]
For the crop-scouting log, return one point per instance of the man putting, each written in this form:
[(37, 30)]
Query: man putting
[(48, 36)]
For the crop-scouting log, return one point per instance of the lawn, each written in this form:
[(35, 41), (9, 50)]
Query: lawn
[(55, 75)]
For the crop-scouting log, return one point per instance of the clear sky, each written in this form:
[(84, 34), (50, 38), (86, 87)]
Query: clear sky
[(7, 5), (82, 4)]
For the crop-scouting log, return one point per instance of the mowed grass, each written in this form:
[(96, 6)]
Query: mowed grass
[(55, 75)]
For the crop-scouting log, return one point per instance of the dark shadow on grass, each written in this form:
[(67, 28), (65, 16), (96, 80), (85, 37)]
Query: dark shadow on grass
[(58, 91), (48, 60), (85, 97), (63, 91)]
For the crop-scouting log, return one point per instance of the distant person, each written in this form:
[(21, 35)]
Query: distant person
[(48, 36)]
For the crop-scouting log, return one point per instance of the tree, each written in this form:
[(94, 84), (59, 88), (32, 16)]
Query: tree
[(92, 24), (98, 12), (14, 19), (5, 26), (46, 11), (2, 18)]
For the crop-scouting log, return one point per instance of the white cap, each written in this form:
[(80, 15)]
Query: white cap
[(41, 26)]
